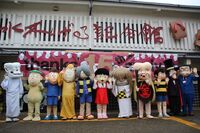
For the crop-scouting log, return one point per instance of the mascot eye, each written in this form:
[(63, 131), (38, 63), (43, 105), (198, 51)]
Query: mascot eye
[(11, 72)]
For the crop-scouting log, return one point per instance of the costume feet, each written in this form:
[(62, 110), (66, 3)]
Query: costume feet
[(89, 117), (55, 117), (140, 117), (8, 119), (36, 118), (150, 116), (160, 115), (28, 118), (80, 117), (104, 116), (99, 116), (15, 119), (47, 117), (166, 115)]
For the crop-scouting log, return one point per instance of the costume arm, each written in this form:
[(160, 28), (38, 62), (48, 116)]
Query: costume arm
[(4, 84), (115, 91), (26, 86), (60, 79), (77, 88), (41, 86), (21, 88), (95, 84)]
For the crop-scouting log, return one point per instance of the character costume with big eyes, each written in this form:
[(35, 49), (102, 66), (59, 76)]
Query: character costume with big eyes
[(144, 88), (13, 86)]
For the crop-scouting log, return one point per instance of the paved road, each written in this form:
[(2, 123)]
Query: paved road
[(112, 125)]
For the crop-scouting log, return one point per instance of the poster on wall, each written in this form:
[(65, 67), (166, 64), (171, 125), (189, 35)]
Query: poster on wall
[(44, 60)]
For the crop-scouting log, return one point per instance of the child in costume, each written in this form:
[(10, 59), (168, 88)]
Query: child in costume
[(66, 78), (12, 84), (35, 90), (161, 84), (173, 89), (53, 93), (101, 84), (186, 79), (144, 88), (122, 90), (84, 90)]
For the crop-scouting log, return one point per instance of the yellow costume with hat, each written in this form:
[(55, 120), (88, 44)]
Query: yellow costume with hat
[(67, 80)]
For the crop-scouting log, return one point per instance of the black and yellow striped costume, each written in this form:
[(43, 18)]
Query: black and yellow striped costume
[(161, 88), (81, 85)]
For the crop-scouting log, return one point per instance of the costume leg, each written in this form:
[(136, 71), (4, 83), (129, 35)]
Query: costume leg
[(99, 113), (48, 110), (148, 110), (88, 111), (37, 112), (184, 98), (55, 109), (82, 111), (30, 112), (159, 109), (165, 109), (141, 108), (190, 103), (48, 113), (104, 114)]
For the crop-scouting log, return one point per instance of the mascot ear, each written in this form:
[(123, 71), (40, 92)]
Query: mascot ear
[(148, 65)]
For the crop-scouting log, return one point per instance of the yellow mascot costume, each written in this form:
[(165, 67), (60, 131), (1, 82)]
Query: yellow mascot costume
[(67, 80)]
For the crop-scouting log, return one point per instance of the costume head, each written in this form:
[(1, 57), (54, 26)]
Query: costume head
[(83, 71), (13, 70), (52, 77), (144, 70), (171, 70), (185, 70), (34, 77), (102, 75), (122, 75), (69, 73), (161, 73)]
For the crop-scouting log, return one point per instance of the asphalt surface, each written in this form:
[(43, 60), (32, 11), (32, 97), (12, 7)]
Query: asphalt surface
[(188, 124)]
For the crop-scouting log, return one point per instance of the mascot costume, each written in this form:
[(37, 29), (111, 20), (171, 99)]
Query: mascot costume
[(84, 90), (161, 84), (186, 79), (122, 89), (101, 84), (144, 91), (173, 89), (35, 90), (66, 78), (12, 84), (53, 93)]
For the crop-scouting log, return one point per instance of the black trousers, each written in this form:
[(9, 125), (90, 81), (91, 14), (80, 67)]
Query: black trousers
[(174, 105)]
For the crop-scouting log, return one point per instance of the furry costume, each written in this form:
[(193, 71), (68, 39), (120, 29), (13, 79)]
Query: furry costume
[(161, 84), (53, 93), (173, 89), (12, 84), (186, 79), (101, 84), (67, 80), (122, 90), (144, 88), (84, 90), (35, 89)]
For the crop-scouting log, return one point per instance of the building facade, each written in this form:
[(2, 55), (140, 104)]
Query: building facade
[(96, 25)]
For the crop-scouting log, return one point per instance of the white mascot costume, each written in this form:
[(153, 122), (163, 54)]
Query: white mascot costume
[(12, 83)]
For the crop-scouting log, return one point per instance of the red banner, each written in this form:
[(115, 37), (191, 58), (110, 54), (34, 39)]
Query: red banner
[(44, 60)]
